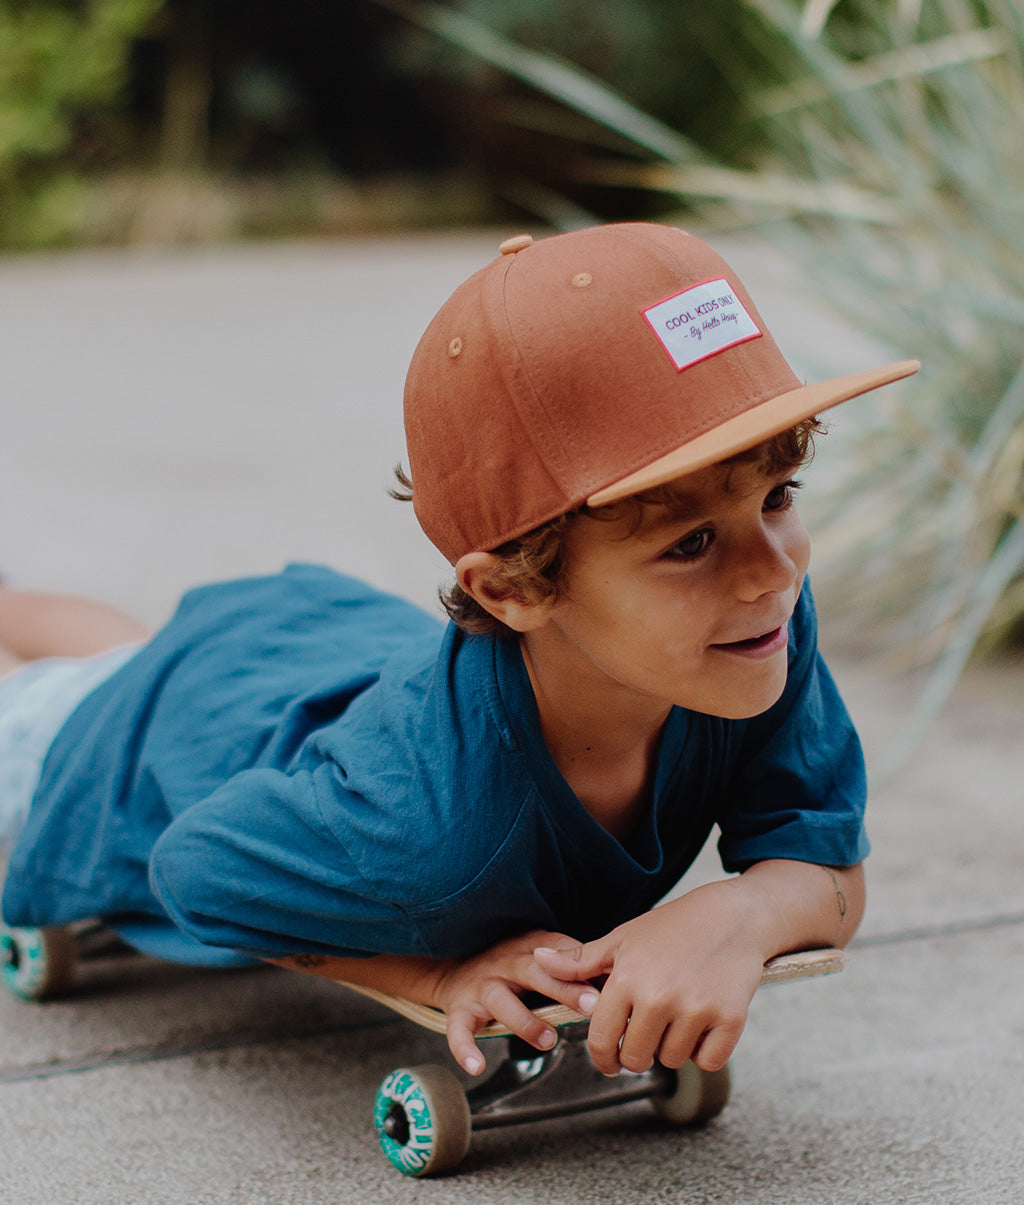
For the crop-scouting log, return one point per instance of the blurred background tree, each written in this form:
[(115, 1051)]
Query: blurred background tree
[(62, 69), (171, 120), (177, 120)]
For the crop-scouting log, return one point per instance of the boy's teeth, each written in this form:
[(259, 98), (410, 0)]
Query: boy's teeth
[(756, 639)]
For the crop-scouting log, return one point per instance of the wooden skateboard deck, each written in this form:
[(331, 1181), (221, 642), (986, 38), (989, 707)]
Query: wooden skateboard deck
[(802, 965)]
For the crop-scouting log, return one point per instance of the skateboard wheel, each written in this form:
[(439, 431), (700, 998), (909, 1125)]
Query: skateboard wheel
[(37, 963), (422, 1118), (698, 1096)]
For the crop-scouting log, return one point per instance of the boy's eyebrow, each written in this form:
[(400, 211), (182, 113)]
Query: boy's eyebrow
[(673, 505), (683, 508)]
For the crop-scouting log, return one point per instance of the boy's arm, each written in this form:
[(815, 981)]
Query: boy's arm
[(680, 978), (470, 991)]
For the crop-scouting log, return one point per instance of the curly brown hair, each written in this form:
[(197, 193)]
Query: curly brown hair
[(530, 566)]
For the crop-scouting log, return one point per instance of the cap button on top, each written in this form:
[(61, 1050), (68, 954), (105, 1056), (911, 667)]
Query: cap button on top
[(518, 241)]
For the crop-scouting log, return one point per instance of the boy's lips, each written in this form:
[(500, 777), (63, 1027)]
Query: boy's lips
[(764, 645)]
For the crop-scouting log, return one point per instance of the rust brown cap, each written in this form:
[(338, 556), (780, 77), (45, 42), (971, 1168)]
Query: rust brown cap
[(586, 367)]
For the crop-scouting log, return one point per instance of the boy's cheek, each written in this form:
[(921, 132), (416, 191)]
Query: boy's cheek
[(800, 553)]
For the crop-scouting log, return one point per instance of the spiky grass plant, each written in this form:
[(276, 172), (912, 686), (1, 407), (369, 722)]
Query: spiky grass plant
[(888, 160), (918, 105)]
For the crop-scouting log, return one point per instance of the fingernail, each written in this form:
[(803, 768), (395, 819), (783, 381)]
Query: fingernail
[(545, 950), (588, 1002), (474, 1065), (547, 1040)]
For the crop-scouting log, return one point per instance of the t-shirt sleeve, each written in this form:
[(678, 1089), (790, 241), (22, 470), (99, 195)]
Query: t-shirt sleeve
[(255, 867), (800, 789)]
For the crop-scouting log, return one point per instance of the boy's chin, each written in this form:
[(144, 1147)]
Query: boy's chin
[(745, 705)]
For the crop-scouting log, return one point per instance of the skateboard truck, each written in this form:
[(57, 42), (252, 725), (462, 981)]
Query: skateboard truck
[(425, 1119), (531, 1086)]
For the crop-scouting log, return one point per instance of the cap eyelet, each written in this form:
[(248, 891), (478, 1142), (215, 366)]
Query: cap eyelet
[(518, 242)]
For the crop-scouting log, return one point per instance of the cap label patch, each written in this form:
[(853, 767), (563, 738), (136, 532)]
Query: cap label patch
[(701, 322)]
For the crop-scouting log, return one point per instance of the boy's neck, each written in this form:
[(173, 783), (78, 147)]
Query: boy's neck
[(603, 738)]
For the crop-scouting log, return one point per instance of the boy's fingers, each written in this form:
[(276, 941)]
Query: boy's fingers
[(462, 1026), (714, 1048), (505, 1007), (607, 1027), (527, 1025), (555, 941), (647, 1036), (581, 997), (574, 962)]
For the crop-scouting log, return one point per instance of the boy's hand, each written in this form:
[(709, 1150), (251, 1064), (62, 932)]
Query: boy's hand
[(487, 987), (679, 982)]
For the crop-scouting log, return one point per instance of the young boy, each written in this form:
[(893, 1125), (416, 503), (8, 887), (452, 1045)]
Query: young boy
[(602, 438)]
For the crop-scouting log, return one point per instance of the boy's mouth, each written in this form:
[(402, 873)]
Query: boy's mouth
[(763, 645)]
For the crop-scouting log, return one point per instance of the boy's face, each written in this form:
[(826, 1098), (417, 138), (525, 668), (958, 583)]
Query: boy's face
[(692, 608)]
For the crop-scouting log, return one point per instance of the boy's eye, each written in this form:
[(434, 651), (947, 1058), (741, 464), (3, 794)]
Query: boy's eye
[(781, 497), (693, 545)]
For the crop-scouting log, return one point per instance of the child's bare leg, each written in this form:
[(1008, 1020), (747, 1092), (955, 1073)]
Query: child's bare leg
[(8, 661), (34, 625)]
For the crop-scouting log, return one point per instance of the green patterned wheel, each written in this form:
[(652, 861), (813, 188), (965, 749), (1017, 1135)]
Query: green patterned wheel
[(698, 1096), (422, 1117), (37, 963)]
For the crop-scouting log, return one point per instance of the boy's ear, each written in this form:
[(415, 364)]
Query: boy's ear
[(479, 574)]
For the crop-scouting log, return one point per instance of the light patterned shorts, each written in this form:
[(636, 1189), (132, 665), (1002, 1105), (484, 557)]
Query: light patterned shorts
[(35, 701)]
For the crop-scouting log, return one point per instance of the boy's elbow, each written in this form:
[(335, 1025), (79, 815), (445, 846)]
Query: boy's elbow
[(173, 880), (851, 899)]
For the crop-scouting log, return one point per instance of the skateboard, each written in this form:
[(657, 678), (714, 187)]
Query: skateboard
[(425, 1119), (423, 1115)]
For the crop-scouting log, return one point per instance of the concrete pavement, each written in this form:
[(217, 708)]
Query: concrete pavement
[(173, 418)]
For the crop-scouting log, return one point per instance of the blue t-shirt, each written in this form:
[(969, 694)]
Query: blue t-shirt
[(300, 763)]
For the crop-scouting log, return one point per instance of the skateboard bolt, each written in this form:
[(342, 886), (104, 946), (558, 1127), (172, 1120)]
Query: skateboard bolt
[(396, 1125)]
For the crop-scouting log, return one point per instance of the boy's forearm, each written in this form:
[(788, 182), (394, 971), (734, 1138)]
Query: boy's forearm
[(788, 906), (412, 978), (802, 905)]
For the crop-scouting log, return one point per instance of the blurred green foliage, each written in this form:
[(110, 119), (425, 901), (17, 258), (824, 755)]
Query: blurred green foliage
[(681, 67), (143, 120), (63, 66), (676, 60)]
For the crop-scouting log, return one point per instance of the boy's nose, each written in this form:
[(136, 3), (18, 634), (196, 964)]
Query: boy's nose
[(772, 564)]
